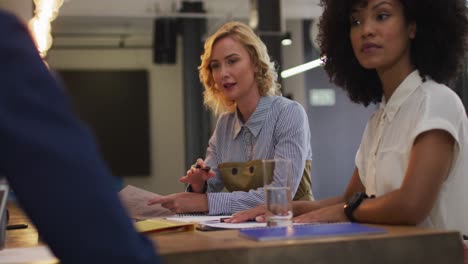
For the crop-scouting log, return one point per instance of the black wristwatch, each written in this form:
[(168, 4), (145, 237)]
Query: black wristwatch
[(353, 203)]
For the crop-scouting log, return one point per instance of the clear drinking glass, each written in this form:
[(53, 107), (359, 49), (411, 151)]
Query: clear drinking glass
[(277, 185)]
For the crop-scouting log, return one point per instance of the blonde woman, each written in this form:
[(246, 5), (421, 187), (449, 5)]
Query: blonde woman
[(255, 123)]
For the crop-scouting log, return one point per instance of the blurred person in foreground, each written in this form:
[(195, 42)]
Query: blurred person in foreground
[(51, 162)]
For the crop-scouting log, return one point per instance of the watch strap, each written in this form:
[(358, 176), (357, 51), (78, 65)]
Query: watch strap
[(353, 203)]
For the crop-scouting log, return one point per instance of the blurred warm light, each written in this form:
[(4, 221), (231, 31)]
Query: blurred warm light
[(44, 13), (41, 32), (48, 8)]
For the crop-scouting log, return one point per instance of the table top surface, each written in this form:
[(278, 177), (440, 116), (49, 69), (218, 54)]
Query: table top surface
[(198, 242)]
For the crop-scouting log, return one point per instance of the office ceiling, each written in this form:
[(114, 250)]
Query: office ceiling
[(136, 16), (129, 23)]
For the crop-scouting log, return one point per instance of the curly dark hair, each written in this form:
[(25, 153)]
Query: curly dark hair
[(437, 51)]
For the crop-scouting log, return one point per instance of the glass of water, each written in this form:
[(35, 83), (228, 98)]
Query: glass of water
[(277, 185)]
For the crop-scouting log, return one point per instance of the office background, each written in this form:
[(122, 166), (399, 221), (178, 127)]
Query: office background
[(118, 36)]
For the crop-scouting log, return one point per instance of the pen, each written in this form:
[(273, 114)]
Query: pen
[(225, 218), (207, 168), (19, 226)]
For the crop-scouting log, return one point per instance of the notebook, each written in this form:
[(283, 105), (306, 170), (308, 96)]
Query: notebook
[(309, 231), (160, 225), (214, 222)]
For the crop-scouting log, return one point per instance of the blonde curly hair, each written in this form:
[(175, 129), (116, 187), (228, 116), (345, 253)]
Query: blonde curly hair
[(265, 74)]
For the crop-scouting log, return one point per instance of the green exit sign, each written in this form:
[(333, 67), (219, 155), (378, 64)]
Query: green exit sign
[(322, 97)]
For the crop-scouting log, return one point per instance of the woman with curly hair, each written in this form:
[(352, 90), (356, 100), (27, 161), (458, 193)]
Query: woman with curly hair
[(413, 158), (254, 124)]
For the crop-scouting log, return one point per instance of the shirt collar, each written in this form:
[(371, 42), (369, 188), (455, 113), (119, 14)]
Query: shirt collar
[(256, 120), (403, 91)]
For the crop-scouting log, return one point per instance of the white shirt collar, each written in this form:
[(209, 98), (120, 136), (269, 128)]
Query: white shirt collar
[(403, 91)]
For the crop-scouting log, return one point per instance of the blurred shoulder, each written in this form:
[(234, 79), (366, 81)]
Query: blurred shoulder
[(439, 96), (7, 20), (225, 118), (284, 104)]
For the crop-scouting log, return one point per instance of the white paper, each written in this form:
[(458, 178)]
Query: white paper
[(136, 199), (215, 221), (218, 224), (26, 255), (196, 218)]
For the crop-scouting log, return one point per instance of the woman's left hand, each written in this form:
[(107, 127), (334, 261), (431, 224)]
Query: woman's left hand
[(257, 213), (184, 202), (329, 214)]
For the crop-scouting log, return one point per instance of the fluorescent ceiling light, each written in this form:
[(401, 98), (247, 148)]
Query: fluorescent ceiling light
[(301, 68)]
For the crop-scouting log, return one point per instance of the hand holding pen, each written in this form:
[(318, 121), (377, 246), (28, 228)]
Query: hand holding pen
[(197, 175)]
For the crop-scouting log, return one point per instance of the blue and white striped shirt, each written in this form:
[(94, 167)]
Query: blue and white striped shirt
[(278, 129)]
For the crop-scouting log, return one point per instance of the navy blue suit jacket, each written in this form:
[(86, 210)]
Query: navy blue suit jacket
[(51, 162)]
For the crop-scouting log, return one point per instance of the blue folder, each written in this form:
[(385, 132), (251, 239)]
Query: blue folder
[(309, 231)]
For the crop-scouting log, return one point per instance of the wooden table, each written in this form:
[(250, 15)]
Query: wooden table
[(20, 237), (400, 245)]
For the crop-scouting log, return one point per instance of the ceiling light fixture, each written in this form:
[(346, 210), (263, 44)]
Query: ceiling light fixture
[(302, 68), (286, 40)]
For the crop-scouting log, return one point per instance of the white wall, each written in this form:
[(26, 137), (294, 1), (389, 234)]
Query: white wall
[(166, 114)]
